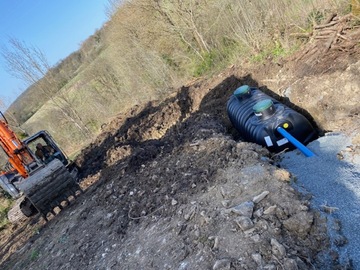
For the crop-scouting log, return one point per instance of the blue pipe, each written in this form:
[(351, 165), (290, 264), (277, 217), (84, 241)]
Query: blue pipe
[(295, 142)]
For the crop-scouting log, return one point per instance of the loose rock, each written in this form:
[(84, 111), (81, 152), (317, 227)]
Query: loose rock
[(223, 264), (260, 197), (257, 259), (277, 249), (244, 209), (270, 210), (244, 223), (174, 202), (300, 223), (290, 264)]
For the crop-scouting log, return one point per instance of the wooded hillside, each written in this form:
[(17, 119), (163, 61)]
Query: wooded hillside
[(148, 48)]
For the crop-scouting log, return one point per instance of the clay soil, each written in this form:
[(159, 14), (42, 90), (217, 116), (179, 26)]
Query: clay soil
[(171, 185)]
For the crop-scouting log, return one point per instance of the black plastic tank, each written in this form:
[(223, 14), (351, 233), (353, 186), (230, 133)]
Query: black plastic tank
[(256, 116)]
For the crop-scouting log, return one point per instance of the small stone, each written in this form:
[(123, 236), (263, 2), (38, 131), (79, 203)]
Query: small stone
[(340, 240), (256, 238), (300, 263), (245, 209), (249, 232), (216, 243), (334, 255), (184, 265), (260, 197), (258, 213), (174, 202), (257, 259), (223, 264), (277, 249), (244, 223), (290, 264), (336, 225), (197, 232), (299, 223), (193, 185), (190, 214), (223, 192), (270, 210), (269, 267), (225, 203), (265, 159), (329, 209)]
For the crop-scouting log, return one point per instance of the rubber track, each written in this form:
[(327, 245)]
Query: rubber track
[(15, 215), (49, 187)]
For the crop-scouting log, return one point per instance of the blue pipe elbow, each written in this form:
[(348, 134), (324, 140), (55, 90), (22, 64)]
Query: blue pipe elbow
[(306, 151)]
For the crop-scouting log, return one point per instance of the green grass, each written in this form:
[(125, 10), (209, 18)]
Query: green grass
[(205, 65), (220, 57), (5, 204), (34, 255), (274, 51)]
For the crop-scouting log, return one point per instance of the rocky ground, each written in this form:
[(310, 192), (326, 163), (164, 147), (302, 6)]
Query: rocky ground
[(171, 185)]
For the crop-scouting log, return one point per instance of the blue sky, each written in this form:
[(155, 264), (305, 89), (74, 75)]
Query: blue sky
[(56, 27)]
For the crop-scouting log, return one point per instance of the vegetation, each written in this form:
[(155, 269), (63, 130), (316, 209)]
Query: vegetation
[(34, 255), (148, 48), (5, 203)]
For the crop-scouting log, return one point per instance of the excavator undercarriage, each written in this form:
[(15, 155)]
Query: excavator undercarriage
[(44, 190)]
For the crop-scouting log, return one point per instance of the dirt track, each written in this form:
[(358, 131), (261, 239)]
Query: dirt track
[(170, 186)]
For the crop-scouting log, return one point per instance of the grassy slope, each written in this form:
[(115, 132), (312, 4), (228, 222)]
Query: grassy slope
[(143, 53)]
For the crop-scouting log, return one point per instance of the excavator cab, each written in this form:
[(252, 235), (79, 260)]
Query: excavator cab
[(9, 179), (44, 138)]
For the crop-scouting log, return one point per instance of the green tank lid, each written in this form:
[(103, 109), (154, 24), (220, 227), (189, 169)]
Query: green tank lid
[(262, 105), (242, 90)]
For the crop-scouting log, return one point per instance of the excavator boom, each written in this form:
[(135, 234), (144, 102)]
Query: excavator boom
[(18, 155)]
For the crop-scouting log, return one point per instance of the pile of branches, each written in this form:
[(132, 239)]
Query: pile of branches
[(336, 33)]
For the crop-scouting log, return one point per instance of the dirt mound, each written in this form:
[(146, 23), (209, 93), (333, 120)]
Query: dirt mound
[(175, 191), (196, 199), (169, 185)]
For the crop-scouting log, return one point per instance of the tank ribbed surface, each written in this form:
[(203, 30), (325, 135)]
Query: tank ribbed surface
[(262, 130)]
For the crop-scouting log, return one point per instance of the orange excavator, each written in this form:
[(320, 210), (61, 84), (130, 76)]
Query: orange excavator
[(38, 174)]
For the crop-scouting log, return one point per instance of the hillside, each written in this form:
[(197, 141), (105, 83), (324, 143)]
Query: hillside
[(148, 49), (170, 185)]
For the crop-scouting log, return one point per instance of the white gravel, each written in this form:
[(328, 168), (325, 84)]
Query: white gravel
[(333, 178)]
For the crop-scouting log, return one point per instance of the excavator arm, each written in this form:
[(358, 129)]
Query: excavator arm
[(18, 155)]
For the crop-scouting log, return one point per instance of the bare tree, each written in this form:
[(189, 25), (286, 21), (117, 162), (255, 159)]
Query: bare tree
[(183, 17), (13, 122), (112, 6), (30, 64)]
